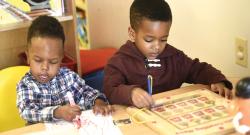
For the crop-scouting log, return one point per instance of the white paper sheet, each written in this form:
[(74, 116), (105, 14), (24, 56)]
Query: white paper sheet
[(91, 124)]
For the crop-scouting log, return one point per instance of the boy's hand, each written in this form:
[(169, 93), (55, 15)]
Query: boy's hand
[(141, 98), (222, 90), (102, 107), (67, 112)]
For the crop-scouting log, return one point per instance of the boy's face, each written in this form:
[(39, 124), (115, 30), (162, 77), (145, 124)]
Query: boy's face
[(151, 37), (44, 56)]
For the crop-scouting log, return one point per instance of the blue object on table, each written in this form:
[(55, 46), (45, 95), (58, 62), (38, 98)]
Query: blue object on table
[(150, 84)]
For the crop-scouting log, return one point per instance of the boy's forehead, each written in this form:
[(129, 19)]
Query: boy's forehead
[(45, 40), (147, 24), (145, 21), (45, 47)]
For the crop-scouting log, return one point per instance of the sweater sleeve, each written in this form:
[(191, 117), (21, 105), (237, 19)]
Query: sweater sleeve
[(115, 87), (28, 105), (84, 95), (203, 73)]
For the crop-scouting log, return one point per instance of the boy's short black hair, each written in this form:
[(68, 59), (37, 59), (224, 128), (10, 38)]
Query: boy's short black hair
[(243, 88), (45, 26), (154, 10)]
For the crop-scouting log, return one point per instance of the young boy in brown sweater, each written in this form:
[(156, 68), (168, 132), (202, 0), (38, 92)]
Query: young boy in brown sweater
[(148, 54)]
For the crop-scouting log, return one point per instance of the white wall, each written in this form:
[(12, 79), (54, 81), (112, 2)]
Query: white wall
[(204, 29), (108, 22)]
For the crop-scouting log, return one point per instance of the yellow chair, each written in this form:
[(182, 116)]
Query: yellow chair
[(9, 115)]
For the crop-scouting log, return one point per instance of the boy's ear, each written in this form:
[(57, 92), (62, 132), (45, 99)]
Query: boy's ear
[(131, 34)]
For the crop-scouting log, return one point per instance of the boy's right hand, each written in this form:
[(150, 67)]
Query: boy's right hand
[(141, 98), (67, 112)]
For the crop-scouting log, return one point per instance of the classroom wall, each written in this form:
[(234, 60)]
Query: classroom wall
[(201, 28), (108, 22), (207, 29)]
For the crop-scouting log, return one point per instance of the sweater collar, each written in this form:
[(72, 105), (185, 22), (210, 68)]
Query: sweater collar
[(130, 49)]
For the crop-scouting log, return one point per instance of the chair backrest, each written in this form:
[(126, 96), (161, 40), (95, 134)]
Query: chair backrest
[(9, 116)]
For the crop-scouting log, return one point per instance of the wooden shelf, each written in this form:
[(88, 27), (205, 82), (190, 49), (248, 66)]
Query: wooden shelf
[(13, 38), (26, 24)]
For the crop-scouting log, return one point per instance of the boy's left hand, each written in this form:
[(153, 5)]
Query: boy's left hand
[(222, 90), (102, 107)]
